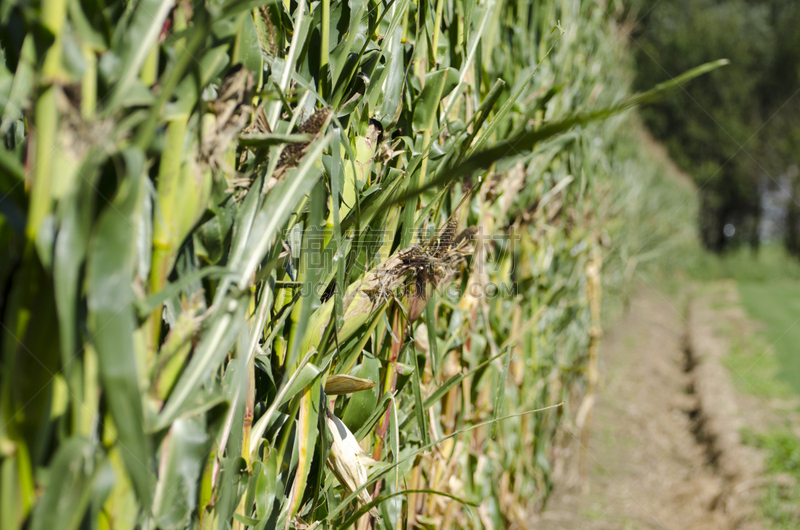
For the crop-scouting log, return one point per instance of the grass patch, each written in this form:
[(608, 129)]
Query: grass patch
[(754, 367), (769, 264), (769, 288), (777, 305), (764, 363), (779, 501)]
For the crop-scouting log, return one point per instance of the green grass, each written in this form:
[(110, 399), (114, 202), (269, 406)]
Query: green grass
[(782, 463), (765, 363), (776, 304), (755, 368), (769, 288), (770, 263)]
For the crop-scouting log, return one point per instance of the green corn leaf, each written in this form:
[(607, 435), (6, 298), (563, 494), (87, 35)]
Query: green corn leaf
[(385, 497), (111, 320), (269, 139), (214, 345), (422, 424), (437, 85), (307, 423), (526, 140), (277, 208), (362, 404), (75, 467), (144, 29), (182, 455)]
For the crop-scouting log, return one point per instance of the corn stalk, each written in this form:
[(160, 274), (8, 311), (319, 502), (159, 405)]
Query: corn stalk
[(235, 262)]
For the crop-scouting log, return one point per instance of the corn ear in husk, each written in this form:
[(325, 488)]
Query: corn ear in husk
[(339, 384), (348, 461)]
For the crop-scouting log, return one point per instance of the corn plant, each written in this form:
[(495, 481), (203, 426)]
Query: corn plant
[(307, 264)]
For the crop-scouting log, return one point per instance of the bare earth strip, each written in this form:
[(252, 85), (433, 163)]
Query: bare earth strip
[(649, 463)]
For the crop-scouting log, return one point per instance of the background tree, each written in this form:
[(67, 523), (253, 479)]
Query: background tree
[(732, 130)]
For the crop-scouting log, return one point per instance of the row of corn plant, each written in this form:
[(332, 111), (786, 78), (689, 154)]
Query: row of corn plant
[(291, 264)]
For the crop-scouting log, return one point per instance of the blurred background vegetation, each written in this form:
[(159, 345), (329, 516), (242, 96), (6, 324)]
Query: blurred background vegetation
[(734, 131)]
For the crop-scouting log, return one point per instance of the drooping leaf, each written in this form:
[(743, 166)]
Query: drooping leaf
[(112, 320), (66, 499), (182, 458)]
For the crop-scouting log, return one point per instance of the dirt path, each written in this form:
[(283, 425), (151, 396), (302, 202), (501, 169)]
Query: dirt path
[(645, 467)]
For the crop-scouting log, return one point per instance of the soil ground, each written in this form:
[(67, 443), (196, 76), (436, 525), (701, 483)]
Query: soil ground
[(656, 458)]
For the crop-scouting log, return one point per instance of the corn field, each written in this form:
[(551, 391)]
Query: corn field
[(290, 264)]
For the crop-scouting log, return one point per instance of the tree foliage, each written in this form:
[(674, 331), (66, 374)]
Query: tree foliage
[(734, 130)]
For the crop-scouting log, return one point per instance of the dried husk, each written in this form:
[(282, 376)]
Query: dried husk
[(348, 461)]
